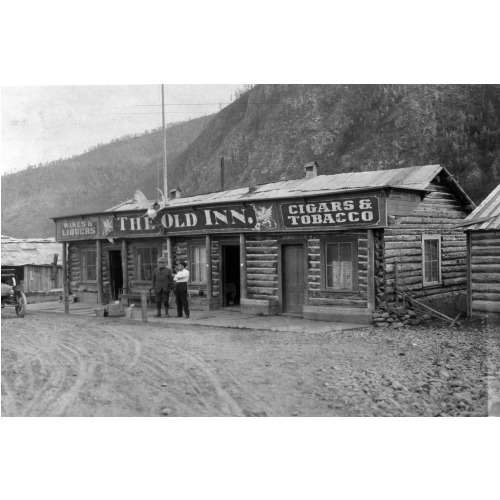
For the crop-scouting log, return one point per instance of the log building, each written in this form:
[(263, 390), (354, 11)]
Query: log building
[(483, 258), (326, 247), (35, 261)]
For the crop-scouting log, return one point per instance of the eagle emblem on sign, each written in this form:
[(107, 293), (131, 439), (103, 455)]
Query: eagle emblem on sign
[(107, 227), (264, 215)]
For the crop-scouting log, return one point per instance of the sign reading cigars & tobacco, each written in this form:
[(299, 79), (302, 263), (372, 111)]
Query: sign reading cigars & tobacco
[(332, 214), (336, 213)]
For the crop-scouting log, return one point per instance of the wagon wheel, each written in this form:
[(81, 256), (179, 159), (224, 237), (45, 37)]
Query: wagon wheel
[(21, 305)]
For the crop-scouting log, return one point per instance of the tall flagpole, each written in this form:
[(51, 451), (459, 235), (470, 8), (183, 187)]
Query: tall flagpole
[(165, 182)]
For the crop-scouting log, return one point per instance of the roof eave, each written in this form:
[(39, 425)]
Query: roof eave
[(457, 186)]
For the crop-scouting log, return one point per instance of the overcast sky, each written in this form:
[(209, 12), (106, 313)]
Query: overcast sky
[(44, 123)]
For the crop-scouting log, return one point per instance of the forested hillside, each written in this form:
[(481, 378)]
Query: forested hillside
[(273, 130), (268, 134), (91, 182)]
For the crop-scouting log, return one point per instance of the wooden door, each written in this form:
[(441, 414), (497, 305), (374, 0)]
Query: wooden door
[(293, 278)]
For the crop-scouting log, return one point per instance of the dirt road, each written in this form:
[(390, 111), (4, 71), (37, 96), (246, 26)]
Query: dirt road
[(57, 365)]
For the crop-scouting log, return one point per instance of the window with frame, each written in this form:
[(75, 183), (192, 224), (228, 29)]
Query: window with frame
[(431, 259), (340, 265), (198, 264), (146, 261), (88, 264)]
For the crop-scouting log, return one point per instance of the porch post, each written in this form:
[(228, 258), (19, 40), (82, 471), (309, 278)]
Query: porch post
[(370, 271), (469, 274), (65, 278), (243, 267), (124, 264), (208, 251), (99, 271), (169, 253)]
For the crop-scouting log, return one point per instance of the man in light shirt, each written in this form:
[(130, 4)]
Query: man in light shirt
[(181, 279)]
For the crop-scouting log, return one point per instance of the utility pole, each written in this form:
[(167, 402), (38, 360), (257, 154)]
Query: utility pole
[(222, 173), (165, 182)]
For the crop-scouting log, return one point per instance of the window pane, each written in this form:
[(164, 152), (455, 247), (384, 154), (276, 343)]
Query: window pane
[(428, 271), (427, 248), (332, 252), (329, 276), (433, 249), (339, 266), (146, 261), (345, 251), (434, 271), (140, 263), (198, 261), (431, 261), (89, 265)]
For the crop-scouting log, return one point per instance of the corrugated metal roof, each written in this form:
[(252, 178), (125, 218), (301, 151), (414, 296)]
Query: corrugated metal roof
[(35, 251), (487, 214), (417, 178)]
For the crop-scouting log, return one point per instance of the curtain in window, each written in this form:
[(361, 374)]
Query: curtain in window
[(339, 266), (198, 264)]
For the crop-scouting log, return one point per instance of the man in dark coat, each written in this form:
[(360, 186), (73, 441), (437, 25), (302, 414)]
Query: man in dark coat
[(162, 282)]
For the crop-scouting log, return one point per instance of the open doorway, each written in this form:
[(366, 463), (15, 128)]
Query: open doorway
[(230, 279), (115, 273)]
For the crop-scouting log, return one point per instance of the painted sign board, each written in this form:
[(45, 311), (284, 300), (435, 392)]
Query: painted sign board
[(77, 228), (250, 217), (333, 213)]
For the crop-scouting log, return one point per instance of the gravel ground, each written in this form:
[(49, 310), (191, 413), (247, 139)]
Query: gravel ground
[(57, 365)]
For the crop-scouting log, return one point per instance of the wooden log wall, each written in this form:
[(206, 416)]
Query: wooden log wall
[(87, 292), (485, 271), (74, 266), (380, 270), (215, 269), (180, 253), (262, 266), (105, 266), (438, 213), (74, 271), (136, 286), (130, 265), (319, 297), (262, 269)]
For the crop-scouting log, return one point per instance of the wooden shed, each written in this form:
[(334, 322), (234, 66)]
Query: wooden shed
[(34, 261), (482, 227), (325, 247)]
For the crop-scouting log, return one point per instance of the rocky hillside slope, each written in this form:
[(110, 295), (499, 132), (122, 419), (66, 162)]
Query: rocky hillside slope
[(268, 134), (273, 130)]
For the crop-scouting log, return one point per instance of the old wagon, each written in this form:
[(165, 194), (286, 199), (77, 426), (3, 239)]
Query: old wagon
[(12, 294)]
